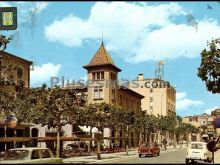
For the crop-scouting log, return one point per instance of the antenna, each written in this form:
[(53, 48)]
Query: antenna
[(102, 35), (159, 70)]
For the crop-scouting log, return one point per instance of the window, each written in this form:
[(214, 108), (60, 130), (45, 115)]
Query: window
[(93, 75), (19, 72), (113, 76), (102, 75), (113, 93), (98, 93), (45, 154), (120, 100), (35, 154), (98, 75)]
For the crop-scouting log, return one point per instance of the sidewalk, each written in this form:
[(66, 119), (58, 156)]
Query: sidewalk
[(112, 156)]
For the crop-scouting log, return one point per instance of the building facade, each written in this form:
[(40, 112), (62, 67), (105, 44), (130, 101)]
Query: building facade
[(12, 70), (204, 123), (159, 95), (19, 69), (103, 86)]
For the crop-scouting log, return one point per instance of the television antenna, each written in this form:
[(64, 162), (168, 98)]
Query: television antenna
[(159, 70)]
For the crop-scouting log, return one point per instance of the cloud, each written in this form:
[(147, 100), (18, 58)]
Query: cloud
[(209, 110), (136, 31), (4, 4), (183, 103), (40, 6), (43, 73)]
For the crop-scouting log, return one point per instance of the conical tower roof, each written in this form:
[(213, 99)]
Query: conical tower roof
[(101, 58)]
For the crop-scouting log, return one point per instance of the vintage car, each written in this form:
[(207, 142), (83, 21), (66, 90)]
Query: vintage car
[(198, 151), (149, 149), (30, 155)]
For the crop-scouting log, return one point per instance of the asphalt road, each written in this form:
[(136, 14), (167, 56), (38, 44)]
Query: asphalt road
[(169, 157)]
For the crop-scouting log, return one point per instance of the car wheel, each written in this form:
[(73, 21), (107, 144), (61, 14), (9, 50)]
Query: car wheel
[(139, 155), (187, 161)]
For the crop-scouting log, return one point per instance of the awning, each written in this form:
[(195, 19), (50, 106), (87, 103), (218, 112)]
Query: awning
[(87, 129)]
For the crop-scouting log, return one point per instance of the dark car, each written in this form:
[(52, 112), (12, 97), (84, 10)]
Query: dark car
[(149, 149)]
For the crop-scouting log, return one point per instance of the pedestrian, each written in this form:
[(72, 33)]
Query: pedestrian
[(165, 143)]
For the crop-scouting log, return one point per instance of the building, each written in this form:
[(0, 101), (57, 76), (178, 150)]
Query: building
[(216, 114), (103, 86), (159, 99), (204, 123), (19, 71), (159, 95)]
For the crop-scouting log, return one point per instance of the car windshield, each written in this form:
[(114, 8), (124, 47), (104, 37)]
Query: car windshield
[(16, 155), (197, 146), (146, 145)]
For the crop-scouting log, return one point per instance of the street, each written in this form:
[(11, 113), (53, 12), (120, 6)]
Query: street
[(177, 156)]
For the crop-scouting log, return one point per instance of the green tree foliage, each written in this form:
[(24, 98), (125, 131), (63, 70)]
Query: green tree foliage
[(4, 40), (14, 101), (209, 70)]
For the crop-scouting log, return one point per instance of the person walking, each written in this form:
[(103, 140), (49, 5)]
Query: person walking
[(165, 143)]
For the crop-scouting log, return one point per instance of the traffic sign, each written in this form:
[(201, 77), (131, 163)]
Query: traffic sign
[(211, 146), (8, 18)]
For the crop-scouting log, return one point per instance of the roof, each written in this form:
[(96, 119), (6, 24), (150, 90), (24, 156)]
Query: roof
[(101, 58), (131, 91), (13, 56)]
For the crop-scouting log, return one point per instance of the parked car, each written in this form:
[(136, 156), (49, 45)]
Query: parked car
[(198, 151), (30, 156), (149, 149)]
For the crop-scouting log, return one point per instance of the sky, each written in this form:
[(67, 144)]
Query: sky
[(61, 37)]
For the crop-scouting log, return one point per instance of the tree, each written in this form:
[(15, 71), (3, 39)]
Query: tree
[(4, 41), (59, 105), (99, 118), (209, 70), (16, 102), (147, 124)]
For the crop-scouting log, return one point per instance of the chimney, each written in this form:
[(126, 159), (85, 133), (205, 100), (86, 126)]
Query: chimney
[(140, 77)]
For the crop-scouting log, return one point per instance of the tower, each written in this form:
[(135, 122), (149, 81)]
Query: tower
[(102, 76)]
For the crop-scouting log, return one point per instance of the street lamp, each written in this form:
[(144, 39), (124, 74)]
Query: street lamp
[(161, 114), (130, 121)]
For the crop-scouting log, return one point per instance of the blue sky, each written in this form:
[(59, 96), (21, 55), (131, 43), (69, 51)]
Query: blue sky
[(61, 37)]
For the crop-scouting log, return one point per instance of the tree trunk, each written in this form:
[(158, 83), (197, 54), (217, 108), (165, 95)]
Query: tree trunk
[(58, 141), (98, 150), (89, 145), (98, 144), (144, 135)]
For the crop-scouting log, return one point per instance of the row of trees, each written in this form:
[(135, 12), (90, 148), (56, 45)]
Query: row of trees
[(57, 107), (173, 124)]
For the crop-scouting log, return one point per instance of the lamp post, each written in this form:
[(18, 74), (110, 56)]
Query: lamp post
[(5, 129), (161, 114)]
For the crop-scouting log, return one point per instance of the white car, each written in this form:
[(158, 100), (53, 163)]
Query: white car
[(32, 155), (198, 151)]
